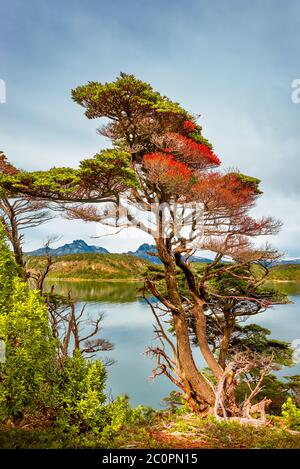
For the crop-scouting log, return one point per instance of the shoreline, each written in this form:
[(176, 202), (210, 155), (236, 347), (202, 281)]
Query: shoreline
[(283, 281), (129, 280), (76, 279)]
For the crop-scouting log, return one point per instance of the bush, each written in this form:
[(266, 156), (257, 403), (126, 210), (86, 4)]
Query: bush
[(80, 395), (30, 366), (62, 403), (291, 414)]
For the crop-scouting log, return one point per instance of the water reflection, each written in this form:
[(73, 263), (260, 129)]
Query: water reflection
[(128, 324), (109, 291)]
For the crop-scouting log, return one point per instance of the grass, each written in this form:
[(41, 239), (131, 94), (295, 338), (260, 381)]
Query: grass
[(166, 430)]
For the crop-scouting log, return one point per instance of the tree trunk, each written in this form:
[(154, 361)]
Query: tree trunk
[(208, 356), (229, 326), (198, 388)]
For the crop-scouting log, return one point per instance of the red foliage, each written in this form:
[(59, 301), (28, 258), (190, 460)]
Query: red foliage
[(5, 166), (222, 192), (165, 171), (189, 126), (195, 155)]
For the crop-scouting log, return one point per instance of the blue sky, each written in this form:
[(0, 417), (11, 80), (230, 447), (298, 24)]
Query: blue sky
[(231, 61)]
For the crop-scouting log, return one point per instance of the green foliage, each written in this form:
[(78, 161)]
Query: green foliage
[(285, 272), (81, 395), (106, 99), (8, 270), (55, 181), (92, 266), (236, 435), (255, 338), (291, 414), (197, 136), (173, 401), (31, 354), (110, 164), (293, 385), (248, 181), (36, 386), (107, 173)]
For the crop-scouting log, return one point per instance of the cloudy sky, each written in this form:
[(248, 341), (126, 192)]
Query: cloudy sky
[(231, 61)]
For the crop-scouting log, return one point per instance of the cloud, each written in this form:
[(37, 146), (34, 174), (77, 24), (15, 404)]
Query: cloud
[(224, 60)]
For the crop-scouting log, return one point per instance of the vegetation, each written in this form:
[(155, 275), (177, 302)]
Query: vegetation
[(91, 266), (147, 429), (42, 385), (285, 272), (125, 266)]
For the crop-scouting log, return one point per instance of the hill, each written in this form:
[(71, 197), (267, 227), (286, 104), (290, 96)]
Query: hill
[(285, 272), (92, 266)]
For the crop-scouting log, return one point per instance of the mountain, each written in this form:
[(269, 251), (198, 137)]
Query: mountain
[(146, 251), (78, 246), (296, 260), (81, 247)]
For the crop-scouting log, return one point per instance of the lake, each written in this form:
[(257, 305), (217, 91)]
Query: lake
[(128, 324)]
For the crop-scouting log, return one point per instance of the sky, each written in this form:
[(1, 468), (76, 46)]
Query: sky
[(231, 61)]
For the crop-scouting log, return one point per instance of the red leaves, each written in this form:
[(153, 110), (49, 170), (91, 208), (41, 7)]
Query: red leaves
[(167, 173), (222, 192), (196, 155), (5, 166), (189, 126)]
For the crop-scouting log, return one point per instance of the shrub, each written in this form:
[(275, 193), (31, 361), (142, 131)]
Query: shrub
[(291, 414), (81, 395), (30, 354)]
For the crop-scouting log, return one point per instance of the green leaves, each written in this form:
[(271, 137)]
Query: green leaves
[(111, 99), (109, 169), (8, 270), (248, 181), (107, 174), (52, 184), (291, 414), (30, 352)]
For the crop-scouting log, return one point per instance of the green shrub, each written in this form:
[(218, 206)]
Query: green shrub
[(81, 395), (30, 366), (291, 414), (8, 271)]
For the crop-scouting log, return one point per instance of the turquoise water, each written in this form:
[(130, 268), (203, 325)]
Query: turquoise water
[(128, 324)]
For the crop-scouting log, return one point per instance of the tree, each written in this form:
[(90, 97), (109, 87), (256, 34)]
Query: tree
[(18, 214), (162, 177)]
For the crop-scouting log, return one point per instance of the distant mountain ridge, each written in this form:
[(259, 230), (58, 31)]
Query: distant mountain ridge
[(78, 246), (148, 251), (145, 251), (295, 260)]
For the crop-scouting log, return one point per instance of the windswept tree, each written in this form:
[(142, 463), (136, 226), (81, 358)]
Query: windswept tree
[(162, 177), (19, 213)]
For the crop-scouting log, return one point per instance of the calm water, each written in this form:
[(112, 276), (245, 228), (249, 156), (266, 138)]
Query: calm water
[(128, 325)]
